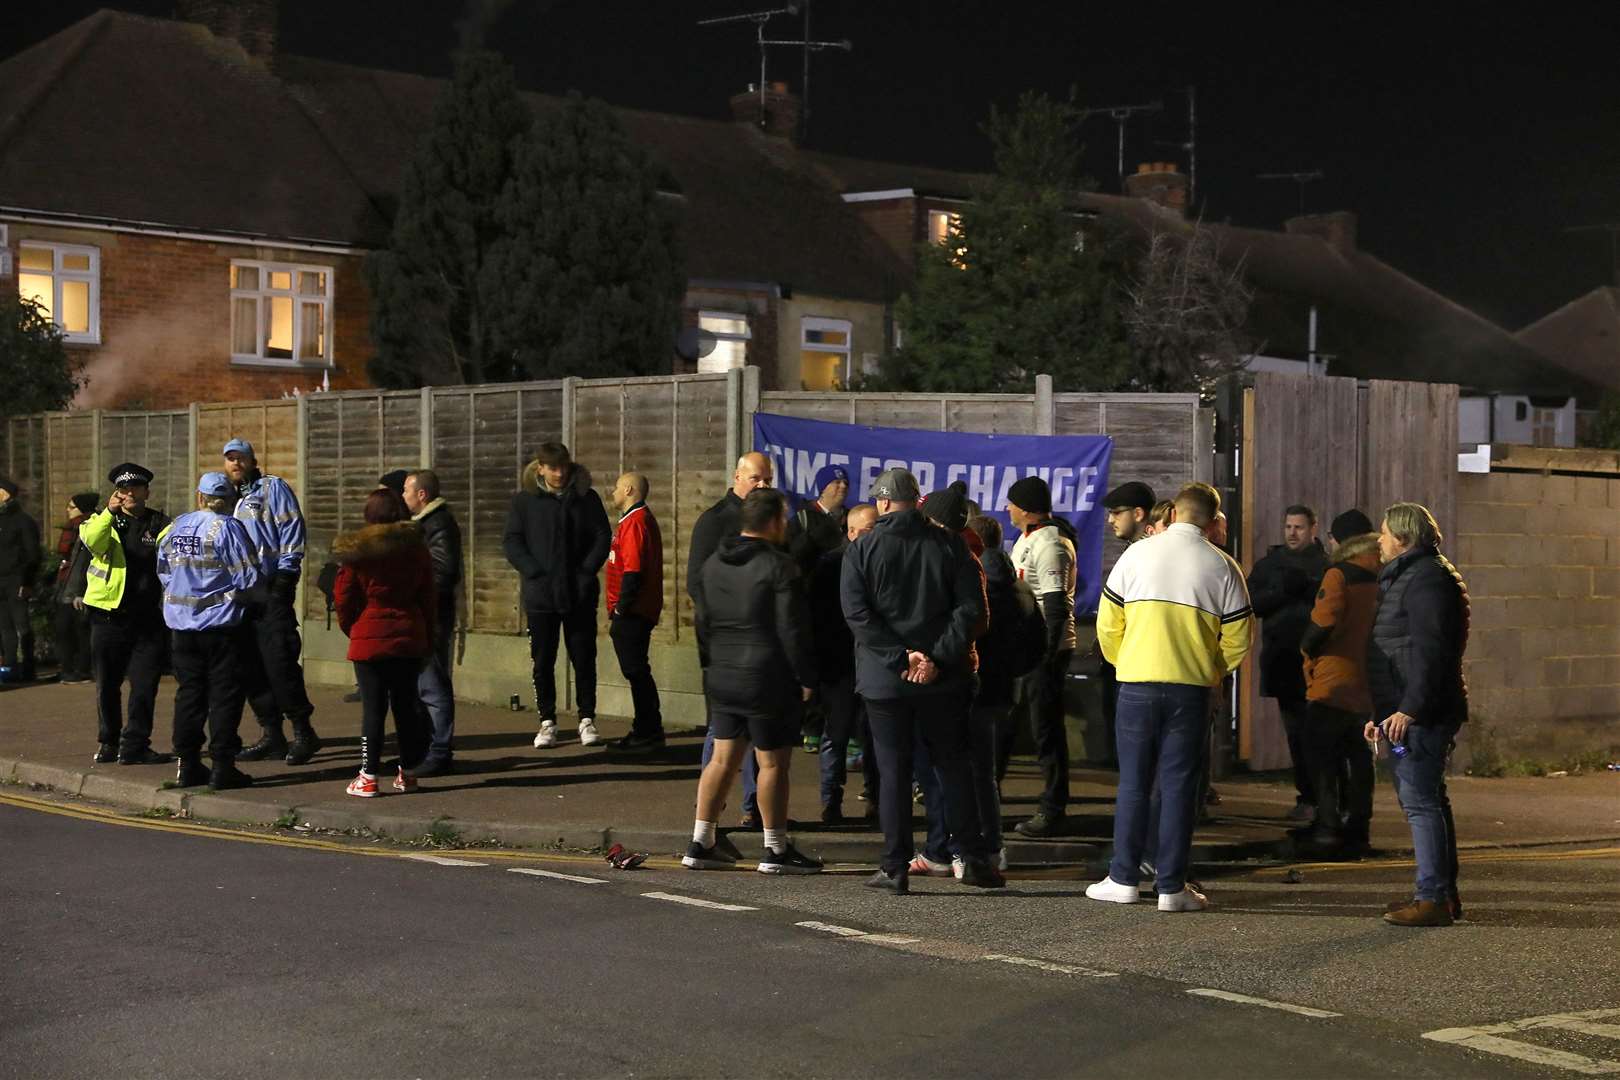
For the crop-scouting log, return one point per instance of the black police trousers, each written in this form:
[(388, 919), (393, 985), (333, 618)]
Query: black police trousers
[(208, 666), (126, 646), (281, 690)]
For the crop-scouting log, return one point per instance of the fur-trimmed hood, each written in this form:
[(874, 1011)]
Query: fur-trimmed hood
[(376, 542), (1357, 549), (579, 480)]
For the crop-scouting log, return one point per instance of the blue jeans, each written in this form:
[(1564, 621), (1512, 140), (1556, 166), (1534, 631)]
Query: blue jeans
[(1420, 784), (842, 708), (984, 721), (750, 771), (438, 696), (1160, 730)]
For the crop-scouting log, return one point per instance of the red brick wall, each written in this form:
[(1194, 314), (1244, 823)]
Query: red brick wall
[(166, 321), (898, 223)]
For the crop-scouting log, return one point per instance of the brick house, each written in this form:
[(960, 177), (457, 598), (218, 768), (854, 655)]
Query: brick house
[(201, 234)]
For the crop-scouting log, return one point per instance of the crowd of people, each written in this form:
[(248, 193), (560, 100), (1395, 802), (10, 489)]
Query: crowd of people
[(904, 625)]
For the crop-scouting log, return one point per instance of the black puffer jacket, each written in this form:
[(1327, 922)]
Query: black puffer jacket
[(1004, 650), (910, 585), (1414, 662), (442, 535), (20, 550), (1282, 588), (558, 542), (835, 645), (754, 617)]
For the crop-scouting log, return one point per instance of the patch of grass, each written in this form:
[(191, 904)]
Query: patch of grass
[(287, 820), (159, 812), (443, 834)]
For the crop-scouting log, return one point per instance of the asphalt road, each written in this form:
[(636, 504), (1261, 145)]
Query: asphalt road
[(136, 947)]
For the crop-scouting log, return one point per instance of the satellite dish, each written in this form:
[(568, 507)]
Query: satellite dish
[(694, 343)]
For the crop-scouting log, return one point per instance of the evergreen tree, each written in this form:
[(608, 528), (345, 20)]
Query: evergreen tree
[(1017, 289), (38, 372), (586, 243), (434, 298)]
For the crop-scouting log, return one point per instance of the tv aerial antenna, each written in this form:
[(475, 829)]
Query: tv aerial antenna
[(1121, 115), (1300, 178), (806, 45), (1190, 146)]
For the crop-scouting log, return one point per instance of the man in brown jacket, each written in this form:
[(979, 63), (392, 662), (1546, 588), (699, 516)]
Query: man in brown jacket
[(1337, 697)]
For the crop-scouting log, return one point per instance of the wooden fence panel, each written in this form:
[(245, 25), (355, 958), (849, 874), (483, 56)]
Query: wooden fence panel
[(70, 454), (161, 441), (271, 426), (23, 459), (1410, 449)]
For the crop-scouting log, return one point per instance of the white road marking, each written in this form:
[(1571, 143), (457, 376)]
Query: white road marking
[(887, 939), (532, 872), (1487, 1038), (1245, 999), (692, 901), (441, 860), (1045, 965), (831, 928)]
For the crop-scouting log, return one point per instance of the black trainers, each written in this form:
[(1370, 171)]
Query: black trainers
[(272, 744), (787, 861), (832, 814), (981, 875), (898, 882), (144, 757), (443, 765), (226, 776), (638, 744), (303, 747), (1042, 824), (106, 753), (192, 773), (698, 857)]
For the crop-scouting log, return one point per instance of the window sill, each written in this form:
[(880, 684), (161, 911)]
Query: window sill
[(282, 365), (82, 343)]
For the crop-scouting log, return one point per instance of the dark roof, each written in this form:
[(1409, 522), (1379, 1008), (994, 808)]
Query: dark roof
[(848, 175), (173, 126), (1583, 336)]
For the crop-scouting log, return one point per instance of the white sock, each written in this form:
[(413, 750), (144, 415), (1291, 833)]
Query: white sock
[(776, 840), (703, 834)]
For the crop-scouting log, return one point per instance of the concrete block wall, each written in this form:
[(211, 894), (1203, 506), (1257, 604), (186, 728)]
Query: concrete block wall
[(1541, 554)]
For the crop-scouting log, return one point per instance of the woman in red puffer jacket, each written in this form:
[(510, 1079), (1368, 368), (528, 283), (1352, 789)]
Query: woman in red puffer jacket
[(384, 598)]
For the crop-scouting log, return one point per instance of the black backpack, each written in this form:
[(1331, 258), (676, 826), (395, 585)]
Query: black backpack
[(1018, 628)]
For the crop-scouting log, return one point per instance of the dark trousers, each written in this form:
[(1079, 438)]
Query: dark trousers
[(208, 667), (281, 690), (16, 632), (1294, 720), (941, 720), (1050, 732), (386, 685), (632, 640), (72, 629), (841, 707), (1162, 732), (576, 629), (986, 725), (1341, 768), (122, 646), (434, 688)]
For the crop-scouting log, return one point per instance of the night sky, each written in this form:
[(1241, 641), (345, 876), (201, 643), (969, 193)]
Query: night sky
[(1467, 141)]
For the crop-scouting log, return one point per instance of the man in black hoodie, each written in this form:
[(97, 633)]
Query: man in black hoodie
[(20, 555), (761, 670), (557, 538), (1282, 588), (913, 596)]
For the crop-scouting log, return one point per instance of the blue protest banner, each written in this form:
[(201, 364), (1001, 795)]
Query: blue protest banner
[(1076, 467)]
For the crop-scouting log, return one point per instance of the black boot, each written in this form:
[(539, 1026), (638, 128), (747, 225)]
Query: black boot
[(304, 743), (898, 882), (272, 744), (226, 776), (192, 772)]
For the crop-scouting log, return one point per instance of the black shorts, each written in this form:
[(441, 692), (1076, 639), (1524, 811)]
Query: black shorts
[(767, 731)]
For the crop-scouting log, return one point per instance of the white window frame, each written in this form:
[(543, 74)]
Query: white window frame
[(808, 323), (262, 309), (745, 337), (58, 275)]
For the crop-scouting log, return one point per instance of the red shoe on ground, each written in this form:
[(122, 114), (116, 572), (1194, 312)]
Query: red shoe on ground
[(363, 786)]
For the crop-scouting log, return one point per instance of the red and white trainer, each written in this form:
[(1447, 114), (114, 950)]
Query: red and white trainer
[(363, 786), (405, 782)]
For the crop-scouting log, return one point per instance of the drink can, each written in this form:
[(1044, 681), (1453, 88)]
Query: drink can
[(516, 703)]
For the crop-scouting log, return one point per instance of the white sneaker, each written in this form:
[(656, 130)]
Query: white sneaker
[(957, 866), (547, 736), (923, 866), (1112, 891), (1185, 900), (587, 732), (1001, 860)]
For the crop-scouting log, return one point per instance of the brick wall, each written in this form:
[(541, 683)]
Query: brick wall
[(1541, 554), (899, 223), (166, 321)]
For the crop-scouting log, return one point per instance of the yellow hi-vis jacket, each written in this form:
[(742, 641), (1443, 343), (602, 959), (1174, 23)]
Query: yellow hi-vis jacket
[(1175, 610), (106, 575)]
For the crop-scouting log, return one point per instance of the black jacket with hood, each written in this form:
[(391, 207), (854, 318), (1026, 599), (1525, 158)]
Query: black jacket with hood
[(752, 612), (910, 585), (1005, 650), (557, 541), (20, 550), (1282, 588)]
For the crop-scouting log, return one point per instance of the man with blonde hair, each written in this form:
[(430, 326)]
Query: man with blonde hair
[(1174, 619)]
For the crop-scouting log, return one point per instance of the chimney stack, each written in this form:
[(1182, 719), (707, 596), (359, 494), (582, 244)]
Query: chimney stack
[(780, 116), (249, 23), (1159, 182), (1338, 228)]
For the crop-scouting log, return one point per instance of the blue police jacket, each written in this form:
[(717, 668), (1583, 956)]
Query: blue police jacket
[(270, 510), (207, 562)]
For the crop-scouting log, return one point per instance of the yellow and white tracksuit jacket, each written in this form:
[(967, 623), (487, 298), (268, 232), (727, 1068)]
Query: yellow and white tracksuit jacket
[(1175, 610)]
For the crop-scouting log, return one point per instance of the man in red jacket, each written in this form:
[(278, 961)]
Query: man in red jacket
[(635, 600)]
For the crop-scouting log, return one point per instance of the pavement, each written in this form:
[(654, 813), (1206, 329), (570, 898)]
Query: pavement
[(143, 947), (573, 797)]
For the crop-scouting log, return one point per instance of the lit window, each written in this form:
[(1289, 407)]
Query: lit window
[(941, 225), (66, 284), (824, 352), (281, 314), (731, 337)]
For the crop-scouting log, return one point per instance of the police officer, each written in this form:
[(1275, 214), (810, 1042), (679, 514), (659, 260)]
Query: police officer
[(125, 601), (208, 564), (269, 509)]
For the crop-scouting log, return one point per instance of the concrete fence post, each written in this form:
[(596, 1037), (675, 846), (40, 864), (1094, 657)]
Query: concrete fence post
[(570, 386), (424, 456), (1045, 416)]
